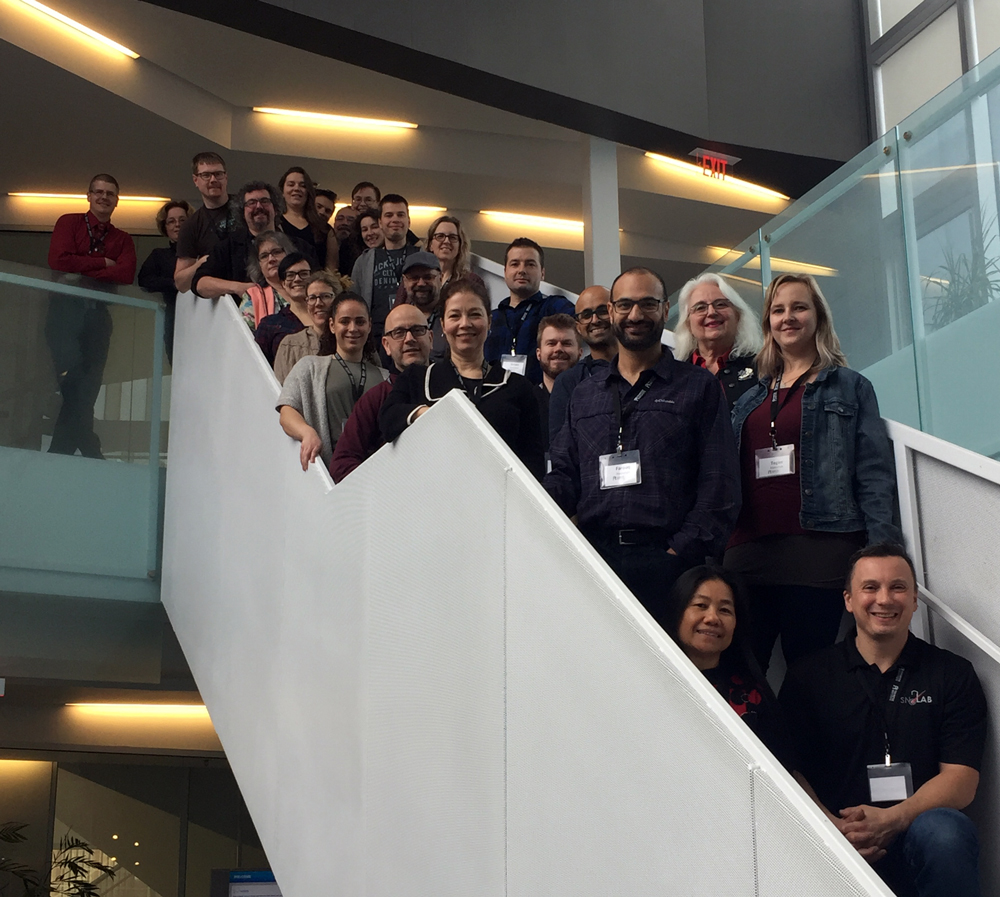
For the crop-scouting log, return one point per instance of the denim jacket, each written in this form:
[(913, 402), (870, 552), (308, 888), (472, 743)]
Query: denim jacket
[(846, 469)]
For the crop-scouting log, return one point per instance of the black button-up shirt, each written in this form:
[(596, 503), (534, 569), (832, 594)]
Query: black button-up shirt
[(690, 470), (936, 714)]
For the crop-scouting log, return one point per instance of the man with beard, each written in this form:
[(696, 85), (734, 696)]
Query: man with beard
[(326, 202), (593, 323), (558, 351), (514, 329), (350, 246), (225, 269), (647, 460), (421, 286)]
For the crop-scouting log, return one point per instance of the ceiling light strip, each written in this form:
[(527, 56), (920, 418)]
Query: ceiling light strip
[(83, 29), (83, 196), (728, 181), (566, 224), (186, 711), (347, 121)]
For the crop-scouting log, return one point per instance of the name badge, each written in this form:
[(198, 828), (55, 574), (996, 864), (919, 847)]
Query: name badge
[(548, 463), (516, 364), (621, 469), (775, 462), (890, 783)]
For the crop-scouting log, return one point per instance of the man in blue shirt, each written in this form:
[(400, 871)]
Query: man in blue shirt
[(647, 459), (513, 335)]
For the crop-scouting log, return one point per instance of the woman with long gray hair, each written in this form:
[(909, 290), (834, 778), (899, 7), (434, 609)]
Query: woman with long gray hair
[(718, 331)]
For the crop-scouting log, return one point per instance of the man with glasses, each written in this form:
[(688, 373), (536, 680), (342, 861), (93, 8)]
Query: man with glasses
[(213, 222), (647, 459), (593, 323), (407, 341), (421, 285), (514, 328), (225, 269), (78, 331)]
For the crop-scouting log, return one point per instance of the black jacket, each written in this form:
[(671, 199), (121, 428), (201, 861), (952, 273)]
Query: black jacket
[(228, 258), (507, 401), (737, 377)]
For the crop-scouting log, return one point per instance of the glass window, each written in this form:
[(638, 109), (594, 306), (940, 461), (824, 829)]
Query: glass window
[(987, 16), (920, 69)]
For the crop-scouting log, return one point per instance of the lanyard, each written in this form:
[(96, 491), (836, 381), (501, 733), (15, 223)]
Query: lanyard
[(356, 391), (476, 393), (776, 407), (620, 413), (95, 244), (878, 707), (516, 331)]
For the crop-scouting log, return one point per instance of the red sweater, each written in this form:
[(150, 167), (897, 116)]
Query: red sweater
[(70, 249), (361, 437)]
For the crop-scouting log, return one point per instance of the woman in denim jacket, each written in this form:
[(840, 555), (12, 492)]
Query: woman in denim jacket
[(817, 474)]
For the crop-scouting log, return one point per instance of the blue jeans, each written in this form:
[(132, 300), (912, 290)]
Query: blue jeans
[(937, 856)]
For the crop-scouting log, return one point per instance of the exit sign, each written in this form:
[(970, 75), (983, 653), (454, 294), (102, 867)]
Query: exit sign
[(714, 164)]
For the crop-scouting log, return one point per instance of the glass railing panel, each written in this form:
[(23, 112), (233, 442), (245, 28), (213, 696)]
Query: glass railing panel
[(949, 153), (850, 238), (80, 406)]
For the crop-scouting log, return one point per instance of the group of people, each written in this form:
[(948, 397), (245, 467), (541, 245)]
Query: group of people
[(742, 486)]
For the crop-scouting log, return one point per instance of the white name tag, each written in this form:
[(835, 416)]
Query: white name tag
[(890, 783), (774, 462), (621, 469), (516, 364)]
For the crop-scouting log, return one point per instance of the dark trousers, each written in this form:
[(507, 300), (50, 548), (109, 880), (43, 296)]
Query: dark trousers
[(649, 571), (169, 319), (78, 333), (937, 856), (805, 617)]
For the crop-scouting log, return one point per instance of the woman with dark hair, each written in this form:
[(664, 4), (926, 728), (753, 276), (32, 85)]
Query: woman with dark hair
[(707, 616), (294, 272), (369, 229), (157, 273), (506, 400), (320, 392), (267, 295), (301, 219), (817, 473)]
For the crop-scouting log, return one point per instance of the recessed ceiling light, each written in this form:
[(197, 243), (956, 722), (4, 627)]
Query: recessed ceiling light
[(83, 196), (82, 29), (163, 711), (566, 224), (343, 121)]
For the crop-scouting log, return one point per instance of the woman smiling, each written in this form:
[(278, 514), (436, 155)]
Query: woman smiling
[(506, 400)]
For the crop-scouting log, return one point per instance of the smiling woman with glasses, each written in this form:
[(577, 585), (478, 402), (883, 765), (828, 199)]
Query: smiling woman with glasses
[(447, 240), (321, 289)]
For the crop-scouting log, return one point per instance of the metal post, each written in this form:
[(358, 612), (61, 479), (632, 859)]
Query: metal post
[(601, 248), (156, 401)]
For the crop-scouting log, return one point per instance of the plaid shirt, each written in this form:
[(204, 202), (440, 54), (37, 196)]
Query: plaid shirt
[(690, 469)]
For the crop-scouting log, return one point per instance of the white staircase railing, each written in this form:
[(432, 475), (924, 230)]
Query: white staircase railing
[(426, 681)]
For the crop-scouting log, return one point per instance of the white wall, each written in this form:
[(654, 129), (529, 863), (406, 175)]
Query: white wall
[(426, 681)]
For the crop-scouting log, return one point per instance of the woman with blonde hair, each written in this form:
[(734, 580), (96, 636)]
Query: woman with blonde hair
[(817, 474), (447, 240), (718, 331)]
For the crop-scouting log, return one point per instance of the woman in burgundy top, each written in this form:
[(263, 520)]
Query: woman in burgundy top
[(817, 474)]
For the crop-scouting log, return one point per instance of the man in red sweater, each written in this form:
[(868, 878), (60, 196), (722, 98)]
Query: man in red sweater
[(407, 341), (78, 330)]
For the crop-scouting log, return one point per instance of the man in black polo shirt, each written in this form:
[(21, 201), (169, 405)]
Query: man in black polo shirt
[(890, 734)]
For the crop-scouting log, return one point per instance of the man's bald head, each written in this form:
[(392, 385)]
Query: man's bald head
[(400, 343), (593, 322)]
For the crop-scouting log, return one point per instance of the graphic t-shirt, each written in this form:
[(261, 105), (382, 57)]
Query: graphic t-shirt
[(203, 230), (388, 271)]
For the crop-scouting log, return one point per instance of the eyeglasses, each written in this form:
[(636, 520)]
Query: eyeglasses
[(427, 276), (701, 308), (211, 176), (598, 311), (277, 253), (252, 203), (647, 305), (297, 275), (316, 298), (446, 238), (109, 193), (399, 333)]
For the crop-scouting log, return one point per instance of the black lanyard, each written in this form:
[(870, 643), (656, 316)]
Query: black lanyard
[(96, 245), (356, 391), (878, 705), (621, 414), (776, 407), (476, 394), (516, 332)]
